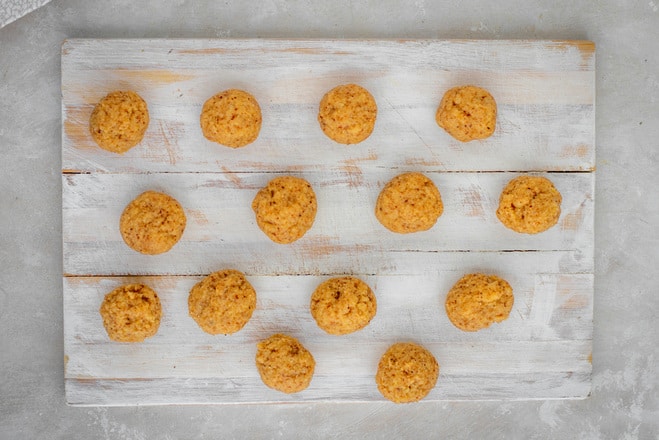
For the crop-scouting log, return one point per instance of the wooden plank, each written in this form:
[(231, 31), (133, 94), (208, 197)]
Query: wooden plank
[(543, 304), (113, 392), (545, 92), (345, 236), (548, 333)]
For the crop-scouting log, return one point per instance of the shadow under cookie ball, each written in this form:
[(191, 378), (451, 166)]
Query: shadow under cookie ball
[(347, 114), (119, 121), (409, 203), (467, 113), (231, 118), (406, 373), (152, 223), (285, 208), (222, 303), (529, 205), (284, 364), (343, 305), (477, 300), (131, 313)]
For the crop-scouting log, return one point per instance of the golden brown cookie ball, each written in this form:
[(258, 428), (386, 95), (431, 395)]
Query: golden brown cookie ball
[(285, 208), (119, 121), (284, 364), (529, 205), (477, 300), (343, 305), (231, 118), (407, 372), (131, 313), (347, 114), (152, 223), (467, 113), (223, 302), (409, 203)]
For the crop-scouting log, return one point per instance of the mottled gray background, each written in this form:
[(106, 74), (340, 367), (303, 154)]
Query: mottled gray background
[(624, 402)]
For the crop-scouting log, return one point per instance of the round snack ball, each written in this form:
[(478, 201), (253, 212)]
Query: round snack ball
[(529, 205), (478, 300), (284, 364), (467, 113), (410, 202), (223, 302), (231, 118), (285, 208), (347, 114), (131, 313), (343, 305), (152, 223), (406, 373), (119, 121)]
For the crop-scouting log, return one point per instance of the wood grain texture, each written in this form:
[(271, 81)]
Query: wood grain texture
[(545, 92), (346, 236)]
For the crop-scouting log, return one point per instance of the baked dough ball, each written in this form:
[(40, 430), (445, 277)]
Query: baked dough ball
[(478, 300), (347, 114), (131, 313), (119, 121), (410, 202), (467, 113), (223, 302), (529, 204), (231, 118), (343, 305), (284, 364), (152, 223), (406, 373), (285, 208)]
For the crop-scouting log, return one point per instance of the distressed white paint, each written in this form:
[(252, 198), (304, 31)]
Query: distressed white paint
[(182, 353), (345, 236), (545, 92)]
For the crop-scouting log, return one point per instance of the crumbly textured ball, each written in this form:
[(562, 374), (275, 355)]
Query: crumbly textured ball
[(285, 208), (410, 202), (231, 118), (467, 113), (131, 313), (529, 204), (223, 302), (119, 121), (406, 373), (284, 364), (343, 305), (347, 114), (152, 223), (478, 300)]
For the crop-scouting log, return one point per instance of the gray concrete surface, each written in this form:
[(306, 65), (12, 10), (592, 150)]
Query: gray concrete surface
[(624, 402)]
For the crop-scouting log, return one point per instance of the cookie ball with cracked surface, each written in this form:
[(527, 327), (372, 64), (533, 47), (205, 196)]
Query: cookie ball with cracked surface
[(347, 114), (477, 300), (152, 223), (467, 113), (223, 302), (529, 205), (406, 373), (343, 305), (284, 364), (231, 118), (131, 313), (285, 209), (119, 121), (409, 203)]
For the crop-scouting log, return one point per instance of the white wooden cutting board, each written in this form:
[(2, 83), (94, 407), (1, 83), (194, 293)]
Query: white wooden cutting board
[(545, 92)]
